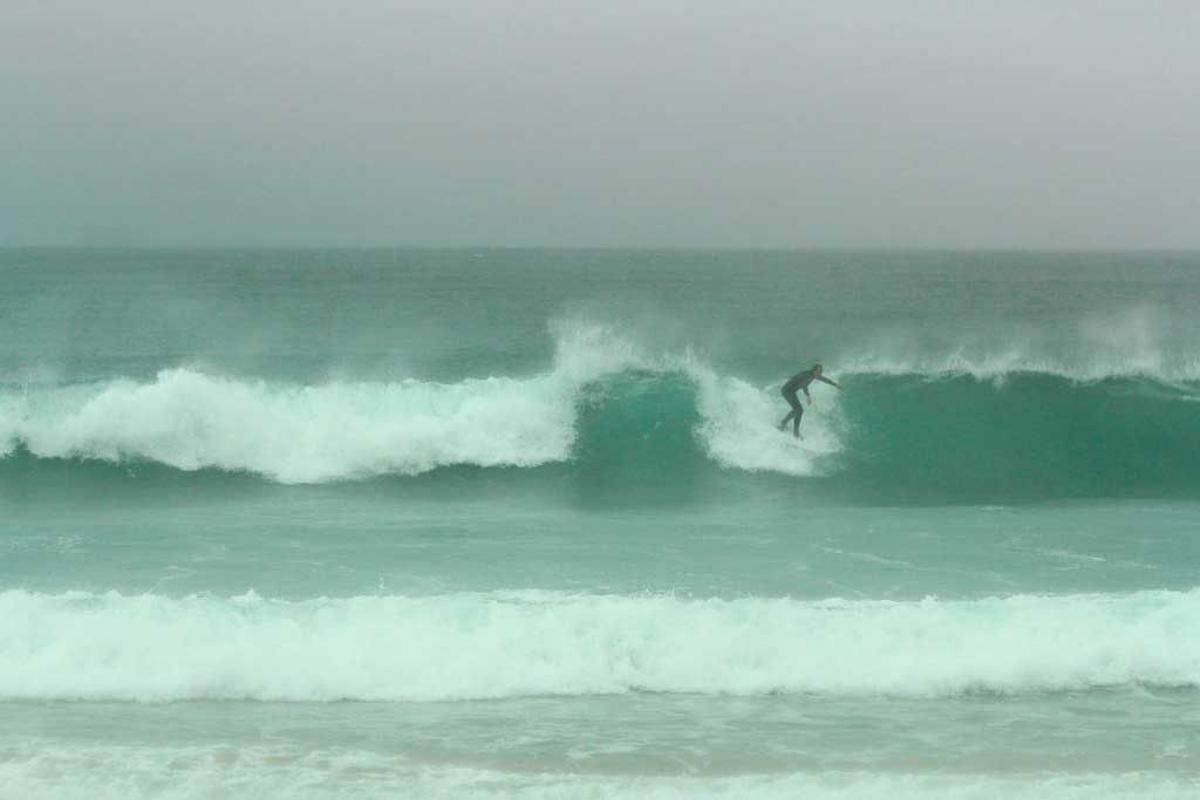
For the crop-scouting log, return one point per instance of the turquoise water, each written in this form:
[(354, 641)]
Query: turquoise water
[(519, 524)]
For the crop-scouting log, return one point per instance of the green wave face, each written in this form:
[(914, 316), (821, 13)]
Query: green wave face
[(636, 440), (1028, 434)]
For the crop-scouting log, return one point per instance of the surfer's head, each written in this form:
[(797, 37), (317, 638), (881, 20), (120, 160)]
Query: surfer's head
[(817, 368)]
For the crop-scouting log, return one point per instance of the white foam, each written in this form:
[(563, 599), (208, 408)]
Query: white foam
[(292, 433), (97, 772), (300, 434), (190, 420), (151, 647), (740, 430)]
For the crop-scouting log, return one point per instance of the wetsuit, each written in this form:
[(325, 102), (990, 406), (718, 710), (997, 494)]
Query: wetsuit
[(795, 384)]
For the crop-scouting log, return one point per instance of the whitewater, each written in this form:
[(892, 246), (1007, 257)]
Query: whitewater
[(473, 647), (190, 420), (520, 524), (305, 434)]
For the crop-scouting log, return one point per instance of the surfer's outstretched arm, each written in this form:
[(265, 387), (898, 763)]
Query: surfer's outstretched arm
[(830, 381)]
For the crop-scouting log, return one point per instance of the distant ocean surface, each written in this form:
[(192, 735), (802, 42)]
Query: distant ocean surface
[(519, 524)]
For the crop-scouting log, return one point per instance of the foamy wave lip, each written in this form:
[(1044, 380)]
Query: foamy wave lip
[(297, 434), (155, 648), (305, 434)]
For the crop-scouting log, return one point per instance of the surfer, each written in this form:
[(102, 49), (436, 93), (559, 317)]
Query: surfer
[(797, 383)]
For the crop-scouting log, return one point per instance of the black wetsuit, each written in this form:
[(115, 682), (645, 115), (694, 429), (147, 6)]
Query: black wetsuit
[(795, 384)]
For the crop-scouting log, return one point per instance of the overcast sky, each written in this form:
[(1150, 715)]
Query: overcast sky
[(518, 122)]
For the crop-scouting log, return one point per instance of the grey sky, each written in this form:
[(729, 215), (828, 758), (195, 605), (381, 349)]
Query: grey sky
[(887, 123)]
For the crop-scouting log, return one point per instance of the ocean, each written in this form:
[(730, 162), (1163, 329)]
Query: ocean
[(520, 524)]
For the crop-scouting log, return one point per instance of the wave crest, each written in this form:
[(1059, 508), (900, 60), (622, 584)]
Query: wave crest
[(615, 408), (191, 420)]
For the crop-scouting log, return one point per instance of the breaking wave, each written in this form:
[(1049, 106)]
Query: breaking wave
[(191, 420), (609, 407), (150, 647)]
